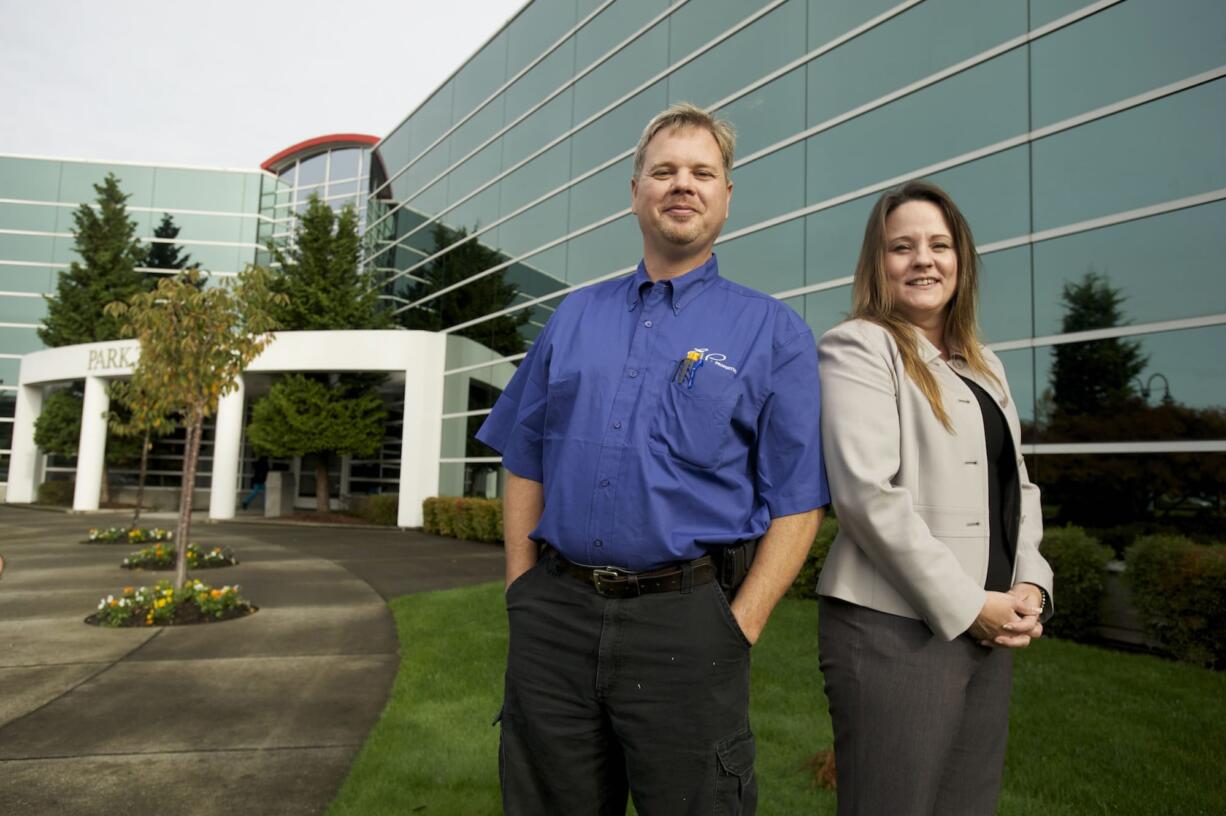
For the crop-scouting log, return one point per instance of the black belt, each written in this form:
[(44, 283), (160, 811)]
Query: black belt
[(611, 582)]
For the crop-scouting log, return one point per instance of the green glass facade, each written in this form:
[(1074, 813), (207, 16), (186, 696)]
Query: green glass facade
[(218, 213), (1082, 139)]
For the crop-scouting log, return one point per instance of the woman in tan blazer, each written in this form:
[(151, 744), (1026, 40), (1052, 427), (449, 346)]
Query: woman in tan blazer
[(935, 575)]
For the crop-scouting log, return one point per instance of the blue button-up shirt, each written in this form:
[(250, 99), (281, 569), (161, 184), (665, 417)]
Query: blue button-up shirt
[(643, 462)]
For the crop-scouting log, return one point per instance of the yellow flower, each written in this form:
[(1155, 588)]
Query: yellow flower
[(215, 594)]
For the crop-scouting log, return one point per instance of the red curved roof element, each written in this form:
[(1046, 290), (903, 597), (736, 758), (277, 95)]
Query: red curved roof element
[(273, 163)]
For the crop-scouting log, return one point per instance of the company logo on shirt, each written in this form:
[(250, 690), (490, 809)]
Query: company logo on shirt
[(715, 358)]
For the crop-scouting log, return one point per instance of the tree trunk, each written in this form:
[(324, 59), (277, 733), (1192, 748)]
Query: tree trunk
[(104, 492), (140, 480), (321, 483), (191, 454)]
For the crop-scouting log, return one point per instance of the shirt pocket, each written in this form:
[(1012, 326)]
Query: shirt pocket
[(693, 424)]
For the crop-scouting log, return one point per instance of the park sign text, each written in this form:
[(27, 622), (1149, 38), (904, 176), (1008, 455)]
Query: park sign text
[(113, 358)]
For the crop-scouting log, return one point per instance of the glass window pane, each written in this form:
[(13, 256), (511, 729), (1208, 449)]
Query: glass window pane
[(642, 59), (30, 180), (752, 52), (829, 21), (483, 74), (613, 25), (537, 130), (22, 310), (618, 130), (543, 174), (770, 260), (344, 164), (1164, 386), (826, 309), (769, 114), (546, 77), (539, 25), (1004, 295), (614, 246), (770, 186), (920, 41), (886, 143), (313, 170), (1139, 261), (1126, 161)]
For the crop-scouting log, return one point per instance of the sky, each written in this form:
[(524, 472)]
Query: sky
[(226, 83)]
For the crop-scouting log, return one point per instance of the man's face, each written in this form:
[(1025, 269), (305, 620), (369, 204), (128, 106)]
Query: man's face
[(682, 196)]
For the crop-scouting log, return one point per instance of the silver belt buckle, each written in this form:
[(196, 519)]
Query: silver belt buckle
[(600, 574)]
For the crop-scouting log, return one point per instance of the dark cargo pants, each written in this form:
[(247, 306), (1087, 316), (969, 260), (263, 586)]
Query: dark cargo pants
[(648, 695)]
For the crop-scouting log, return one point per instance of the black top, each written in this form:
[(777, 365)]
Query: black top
[(1002, 474)]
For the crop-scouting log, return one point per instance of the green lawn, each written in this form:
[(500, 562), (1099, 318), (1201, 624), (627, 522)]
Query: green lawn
[(1093, 731)]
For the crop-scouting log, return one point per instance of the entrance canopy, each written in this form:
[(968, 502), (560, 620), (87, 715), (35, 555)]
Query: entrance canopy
[(419, 355)]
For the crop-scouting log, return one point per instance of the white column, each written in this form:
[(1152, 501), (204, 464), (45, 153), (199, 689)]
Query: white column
[(227, 446), (23, 461), (423, 427), (91, 450)]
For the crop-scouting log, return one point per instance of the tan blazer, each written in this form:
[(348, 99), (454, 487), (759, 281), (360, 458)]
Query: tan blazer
[(911, 497)]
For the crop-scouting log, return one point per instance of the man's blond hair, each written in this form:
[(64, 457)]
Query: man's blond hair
[(684, 115)]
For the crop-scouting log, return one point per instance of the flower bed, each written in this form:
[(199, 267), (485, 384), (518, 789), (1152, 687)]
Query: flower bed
[(163, 557), (123, 535), (163, 605)]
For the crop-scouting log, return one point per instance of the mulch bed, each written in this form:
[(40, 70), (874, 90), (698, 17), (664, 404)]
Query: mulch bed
[(185, 615), (169, 567)]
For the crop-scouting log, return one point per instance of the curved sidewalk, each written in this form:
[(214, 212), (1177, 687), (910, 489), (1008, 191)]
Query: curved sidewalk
[(263, 715)]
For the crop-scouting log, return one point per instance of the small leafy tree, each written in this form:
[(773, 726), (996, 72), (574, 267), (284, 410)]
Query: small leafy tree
[(195, 341), (105, 238), (146, 417), (301, 416)]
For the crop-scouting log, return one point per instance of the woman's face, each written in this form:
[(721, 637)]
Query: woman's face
[(921, 264)]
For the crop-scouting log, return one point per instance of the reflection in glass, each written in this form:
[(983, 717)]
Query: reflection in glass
[(475, 299)]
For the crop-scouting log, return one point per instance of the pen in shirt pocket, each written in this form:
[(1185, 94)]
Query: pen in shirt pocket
[(687, 369)]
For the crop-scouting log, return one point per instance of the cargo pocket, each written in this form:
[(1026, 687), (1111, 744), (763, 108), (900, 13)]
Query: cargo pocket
[(736, 788)]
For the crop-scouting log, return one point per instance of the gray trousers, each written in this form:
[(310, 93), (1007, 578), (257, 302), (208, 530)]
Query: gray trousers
[(920, 724), (647, 696)]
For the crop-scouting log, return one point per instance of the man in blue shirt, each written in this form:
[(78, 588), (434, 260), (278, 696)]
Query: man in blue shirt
[(660, 427)]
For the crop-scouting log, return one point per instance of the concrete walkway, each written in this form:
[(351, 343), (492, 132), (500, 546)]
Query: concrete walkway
[(260, 715)]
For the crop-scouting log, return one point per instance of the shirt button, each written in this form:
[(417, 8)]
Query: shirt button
[(598, 543), (647, 323), (634, 372), (617, 426), (604, 482)]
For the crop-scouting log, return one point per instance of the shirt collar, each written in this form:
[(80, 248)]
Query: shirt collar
[(683, 288), (929, 352)]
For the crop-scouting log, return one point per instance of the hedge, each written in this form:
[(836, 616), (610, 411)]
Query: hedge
[(58, 492), (805, 585), (1179, 589), (1079, 562), (468, 518), (376, 508)]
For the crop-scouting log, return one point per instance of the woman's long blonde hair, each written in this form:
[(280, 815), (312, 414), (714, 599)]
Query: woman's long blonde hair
[(873, 300)]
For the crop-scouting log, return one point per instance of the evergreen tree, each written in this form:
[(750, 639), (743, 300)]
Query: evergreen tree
[(105, 238), (165, 254), (301, 415), (1098, 377), (58, 428), (480, 297), (320, 275)]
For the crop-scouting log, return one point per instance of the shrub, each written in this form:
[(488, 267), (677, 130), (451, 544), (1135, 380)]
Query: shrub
[(1179, 588), (805, 585), (125, 535), (377, 508), (1079, 562), (58, 492), (469, 518)]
